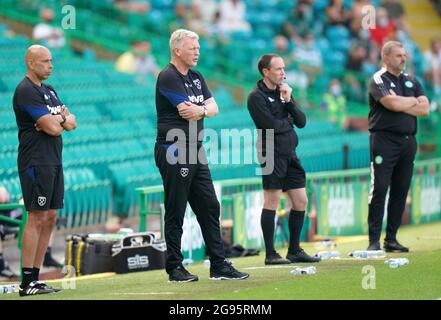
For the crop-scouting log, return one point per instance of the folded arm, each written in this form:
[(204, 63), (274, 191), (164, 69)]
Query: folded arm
[(71, 120), (54, 125), (50, 124), (194, 112), (421, 109), (396, 103)]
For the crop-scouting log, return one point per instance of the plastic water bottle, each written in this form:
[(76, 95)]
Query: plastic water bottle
[(325, 255), (359, 254), (376, 254), (393, 263), (397, 262), (207, 264), (9, 288), (404, 261), (367, 254), (307, 270)]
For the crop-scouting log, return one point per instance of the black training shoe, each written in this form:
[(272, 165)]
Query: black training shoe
[(44, 285), (7, 272), (374, 246), (301, 256), (275, 258), (227, 272), (394, 246), (34, 288), (49, 261), (180, 274)]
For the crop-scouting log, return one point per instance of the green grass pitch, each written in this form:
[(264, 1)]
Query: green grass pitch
[(335, 279)]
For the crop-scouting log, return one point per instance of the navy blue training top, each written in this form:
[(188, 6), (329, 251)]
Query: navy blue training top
[(173, 88), (36, 148)]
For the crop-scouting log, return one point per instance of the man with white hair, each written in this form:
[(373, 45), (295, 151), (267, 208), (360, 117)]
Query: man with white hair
[(396, 99), (183, 100), (46, 33), (41, 119)]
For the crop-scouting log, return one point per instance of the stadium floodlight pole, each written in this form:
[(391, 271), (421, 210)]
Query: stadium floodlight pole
[(20, 222)]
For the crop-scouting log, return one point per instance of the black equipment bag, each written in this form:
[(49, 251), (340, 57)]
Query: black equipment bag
[(139, 252), (88, 255)]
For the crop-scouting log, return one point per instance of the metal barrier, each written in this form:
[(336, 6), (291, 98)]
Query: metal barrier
[(348, 184), (20, 222), (152, 197)]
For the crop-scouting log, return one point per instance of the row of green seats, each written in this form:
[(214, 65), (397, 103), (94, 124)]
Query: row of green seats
[(8, 164), (123, 176), (103, 152), (7, 119), (88, 199), (12, 185)]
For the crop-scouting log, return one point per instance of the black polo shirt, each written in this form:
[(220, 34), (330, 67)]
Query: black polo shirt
[(383, 119), (173, 88), (36, 148)]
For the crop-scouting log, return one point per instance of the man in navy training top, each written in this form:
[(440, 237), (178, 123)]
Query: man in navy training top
[(183, 100), (41, 119)]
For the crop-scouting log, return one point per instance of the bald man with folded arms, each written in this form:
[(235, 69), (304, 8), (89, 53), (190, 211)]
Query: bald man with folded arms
[(41, 120)]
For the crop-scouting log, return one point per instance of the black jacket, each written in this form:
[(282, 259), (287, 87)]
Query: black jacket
[(270, 112)]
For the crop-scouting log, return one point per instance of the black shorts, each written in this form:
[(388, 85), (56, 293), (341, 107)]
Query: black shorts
[(42, 187), (288, 174)]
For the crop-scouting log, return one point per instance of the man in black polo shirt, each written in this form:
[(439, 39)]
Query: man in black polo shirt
[(273, 108), (41, 119), (395, 100), (182, 101)]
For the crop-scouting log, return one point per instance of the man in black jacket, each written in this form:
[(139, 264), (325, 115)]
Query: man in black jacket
[(272, 108)]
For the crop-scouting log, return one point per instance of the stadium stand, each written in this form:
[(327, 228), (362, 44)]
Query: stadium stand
[(111, 153)]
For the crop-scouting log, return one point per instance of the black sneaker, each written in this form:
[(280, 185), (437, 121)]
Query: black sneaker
[(34, 288), (301, 256), (44, 285), (374, 246), (180, 274), (49, 261), (227, 272), (275, 258), (394, 246), (7, 272)]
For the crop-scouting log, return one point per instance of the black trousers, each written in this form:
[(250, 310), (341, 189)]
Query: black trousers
[(392, 157), (190, 183)]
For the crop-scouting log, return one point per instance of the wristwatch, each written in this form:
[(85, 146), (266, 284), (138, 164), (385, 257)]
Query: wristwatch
[(205, 111)]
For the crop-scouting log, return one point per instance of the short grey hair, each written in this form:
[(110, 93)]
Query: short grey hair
[(178, 36), (388, 46)]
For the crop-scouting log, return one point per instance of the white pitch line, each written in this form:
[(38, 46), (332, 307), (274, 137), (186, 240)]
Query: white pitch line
[(429, 238), (294, 266), (142, 293), (358, 259), (270, 267)]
